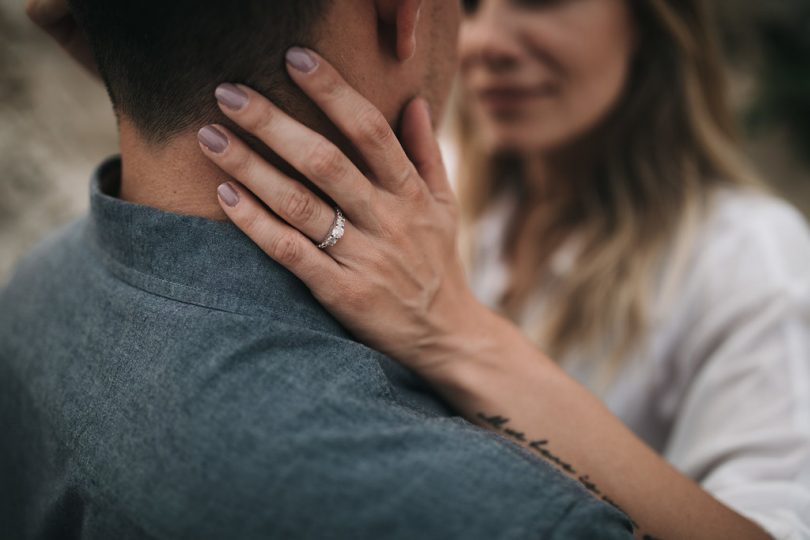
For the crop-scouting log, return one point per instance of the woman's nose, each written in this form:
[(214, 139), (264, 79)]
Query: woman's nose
[(490, 37)]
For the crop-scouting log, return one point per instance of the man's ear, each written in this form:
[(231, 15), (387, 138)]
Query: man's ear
[(400, 19)]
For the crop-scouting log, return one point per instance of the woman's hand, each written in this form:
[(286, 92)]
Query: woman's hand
[(55, 18), (395, 278)]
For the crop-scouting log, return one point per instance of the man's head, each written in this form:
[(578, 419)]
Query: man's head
[(162, 60)]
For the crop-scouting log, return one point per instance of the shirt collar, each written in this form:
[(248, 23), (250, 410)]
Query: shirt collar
[(192, 259)]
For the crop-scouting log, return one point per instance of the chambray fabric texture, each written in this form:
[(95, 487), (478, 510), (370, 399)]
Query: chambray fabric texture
[(160, 377)]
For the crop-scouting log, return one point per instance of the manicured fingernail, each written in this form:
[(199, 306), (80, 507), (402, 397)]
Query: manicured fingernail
[(231, 96), (213, 139), (301, 60), (228, 194)]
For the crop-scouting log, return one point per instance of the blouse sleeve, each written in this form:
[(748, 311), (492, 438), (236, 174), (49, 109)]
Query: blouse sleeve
[(743, 427)]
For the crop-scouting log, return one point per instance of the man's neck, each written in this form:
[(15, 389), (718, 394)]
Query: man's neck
[(176, 178)]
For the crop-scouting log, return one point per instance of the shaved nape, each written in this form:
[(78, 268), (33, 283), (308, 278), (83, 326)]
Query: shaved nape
[(161, 61)]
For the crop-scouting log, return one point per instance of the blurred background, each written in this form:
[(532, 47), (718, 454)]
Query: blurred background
[(56, 124)]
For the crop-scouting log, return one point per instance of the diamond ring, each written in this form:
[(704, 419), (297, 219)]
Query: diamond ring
[(336, 233)]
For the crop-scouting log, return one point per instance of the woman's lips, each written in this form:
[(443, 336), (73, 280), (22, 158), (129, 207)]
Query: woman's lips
[(508, 98)]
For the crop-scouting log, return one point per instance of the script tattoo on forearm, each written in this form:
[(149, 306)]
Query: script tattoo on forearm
[(541, 447)]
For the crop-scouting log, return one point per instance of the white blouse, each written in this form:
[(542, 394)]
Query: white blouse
[(721, 387)]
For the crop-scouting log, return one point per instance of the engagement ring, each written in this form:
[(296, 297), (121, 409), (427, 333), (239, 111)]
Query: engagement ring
[(336, 233)]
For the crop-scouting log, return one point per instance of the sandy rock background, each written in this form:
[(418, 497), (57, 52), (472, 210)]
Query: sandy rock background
[(56, 126)]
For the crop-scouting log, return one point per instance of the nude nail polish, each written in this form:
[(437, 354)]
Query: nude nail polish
[(213, 139), (231, 96), (228, 194), (301, 60)]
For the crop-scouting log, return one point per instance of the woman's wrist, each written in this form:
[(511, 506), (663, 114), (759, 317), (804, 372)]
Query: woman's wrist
[(473, 350)]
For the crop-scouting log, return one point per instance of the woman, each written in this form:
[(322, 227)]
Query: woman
[(609, 217), (613, 219)]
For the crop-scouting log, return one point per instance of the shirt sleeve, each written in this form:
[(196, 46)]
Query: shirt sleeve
[(307, 440), (743, 429)]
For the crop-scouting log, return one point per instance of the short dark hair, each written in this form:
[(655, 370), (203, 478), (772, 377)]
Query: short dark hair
[(162, 59)]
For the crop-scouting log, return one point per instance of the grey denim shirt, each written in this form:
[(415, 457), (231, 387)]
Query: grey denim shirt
[(160, 377)]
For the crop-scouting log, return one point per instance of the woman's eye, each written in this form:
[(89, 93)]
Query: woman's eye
[(469, 6), (537, 3)]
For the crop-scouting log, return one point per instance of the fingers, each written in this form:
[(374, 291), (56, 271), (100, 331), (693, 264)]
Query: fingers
[(421, 145), (281, 242), (362, 123), (307, 151), (288, 198)]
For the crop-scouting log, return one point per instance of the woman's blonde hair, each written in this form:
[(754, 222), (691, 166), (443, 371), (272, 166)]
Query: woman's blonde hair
[(652, 165)]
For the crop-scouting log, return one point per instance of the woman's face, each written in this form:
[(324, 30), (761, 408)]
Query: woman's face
[(541, 74)]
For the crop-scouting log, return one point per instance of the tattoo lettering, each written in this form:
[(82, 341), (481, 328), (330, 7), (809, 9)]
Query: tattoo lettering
[(590, 486), (515, 434), (495, 421), (500, 424)]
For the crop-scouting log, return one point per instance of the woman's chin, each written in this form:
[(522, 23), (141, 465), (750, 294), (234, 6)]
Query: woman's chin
[(514, 144), (525, 142), (504, 141)]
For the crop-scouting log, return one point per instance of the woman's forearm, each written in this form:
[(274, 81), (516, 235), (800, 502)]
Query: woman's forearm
[(396, 281), (499, 380)]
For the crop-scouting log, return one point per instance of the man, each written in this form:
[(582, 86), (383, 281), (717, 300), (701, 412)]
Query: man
[(160, 377)]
